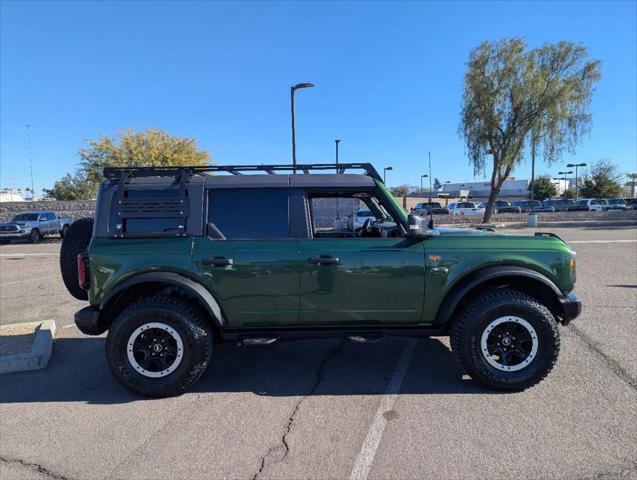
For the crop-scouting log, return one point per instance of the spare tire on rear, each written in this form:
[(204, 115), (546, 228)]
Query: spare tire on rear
[(76, 240)]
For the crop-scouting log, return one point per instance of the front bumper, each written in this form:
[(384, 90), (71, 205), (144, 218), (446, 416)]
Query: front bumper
[(571, 306), (88, 321), (14, 235)]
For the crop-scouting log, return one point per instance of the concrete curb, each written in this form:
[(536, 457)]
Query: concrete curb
[(40, 353)]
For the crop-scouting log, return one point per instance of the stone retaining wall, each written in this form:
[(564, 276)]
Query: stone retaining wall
[(86, 208), (73, 209)]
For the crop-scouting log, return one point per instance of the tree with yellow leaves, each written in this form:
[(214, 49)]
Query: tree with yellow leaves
[(149, 148)]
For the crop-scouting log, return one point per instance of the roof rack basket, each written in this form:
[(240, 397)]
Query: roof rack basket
[(128, 172)]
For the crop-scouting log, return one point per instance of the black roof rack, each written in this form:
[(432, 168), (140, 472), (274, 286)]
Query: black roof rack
[(124, 173)]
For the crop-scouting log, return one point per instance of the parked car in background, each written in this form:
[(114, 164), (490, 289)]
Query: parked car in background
[(532, 206), (425, 208), (631, 203), (617, 204), (560, 205), (502, 206), (581, 206), (593, 204), (357, 219), (465, 208), (32, 226)]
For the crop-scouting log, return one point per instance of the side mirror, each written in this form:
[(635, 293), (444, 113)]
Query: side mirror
[(419, 227)]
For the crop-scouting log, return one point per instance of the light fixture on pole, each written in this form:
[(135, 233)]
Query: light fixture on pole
[(385, 174), (293, 89), (421, 177), (571, 165), (565, 185)]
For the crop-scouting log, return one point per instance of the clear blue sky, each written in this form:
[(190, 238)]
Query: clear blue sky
[(388, 78)]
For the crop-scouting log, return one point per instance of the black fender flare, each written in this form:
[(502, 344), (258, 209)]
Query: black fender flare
[(195, 288), (463, 286)]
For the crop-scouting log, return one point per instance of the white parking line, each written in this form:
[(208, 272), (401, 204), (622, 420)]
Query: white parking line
[(41, 254), (375, 433), (601, 241), (27, 280)]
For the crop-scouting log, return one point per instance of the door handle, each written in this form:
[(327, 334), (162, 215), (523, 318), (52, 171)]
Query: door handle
[(217, 261), (323, 260)]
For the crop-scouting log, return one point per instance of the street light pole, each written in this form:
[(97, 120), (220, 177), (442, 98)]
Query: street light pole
[(293, 89), (565, 186), (421, 177), (429, 176), (338, 213), (385, 174), (571, 165), (30, 159)]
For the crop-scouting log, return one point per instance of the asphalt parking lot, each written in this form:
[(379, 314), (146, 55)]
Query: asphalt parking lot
[(396, 408)]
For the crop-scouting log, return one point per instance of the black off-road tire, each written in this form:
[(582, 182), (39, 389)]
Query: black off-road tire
[(5, 241), (75, 240), (471, 322), (186, 319), (65, 229), (34, 236)]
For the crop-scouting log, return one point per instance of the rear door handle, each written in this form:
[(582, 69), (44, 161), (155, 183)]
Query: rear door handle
[(217, 261), (323, 260)]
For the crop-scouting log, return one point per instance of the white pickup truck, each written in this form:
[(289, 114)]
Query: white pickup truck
[(465, 208), (32, 226)]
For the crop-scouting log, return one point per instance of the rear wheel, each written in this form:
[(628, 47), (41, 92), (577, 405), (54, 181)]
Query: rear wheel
[(159, 346), (4, 241), (506, 340)]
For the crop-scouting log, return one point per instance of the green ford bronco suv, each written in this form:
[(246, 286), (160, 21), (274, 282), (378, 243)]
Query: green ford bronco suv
[(179, 259)]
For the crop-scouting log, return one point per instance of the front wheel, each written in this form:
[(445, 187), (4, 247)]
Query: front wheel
[(34, 236), (159, 346), (65, 229), (506, 340)]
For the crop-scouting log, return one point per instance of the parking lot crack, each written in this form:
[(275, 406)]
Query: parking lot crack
[(278, 452), (607, 359), (33, 467)]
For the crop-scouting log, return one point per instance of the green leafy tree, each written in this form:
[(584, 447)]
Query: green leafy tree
[(543, 188), (631, 183), (602, 181), (400, 191), (518, 101), (148, 148), (71, 187)]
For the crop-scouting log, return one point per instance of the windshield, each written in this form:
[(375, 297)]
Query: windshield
[(617, 201), (581, 202), (26, 217)]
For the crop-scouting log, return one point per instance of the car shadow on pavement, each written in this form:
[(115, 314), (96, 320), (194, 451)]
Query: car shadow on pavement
[(78, 371)]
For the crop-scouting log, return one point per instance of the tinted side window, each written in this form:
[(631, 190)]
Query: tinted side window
[(249, 213)]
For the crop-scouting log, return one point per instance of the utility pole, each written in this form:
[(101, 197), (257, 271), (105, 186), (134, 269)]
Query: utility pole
[(293, 89), (28, 126)]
